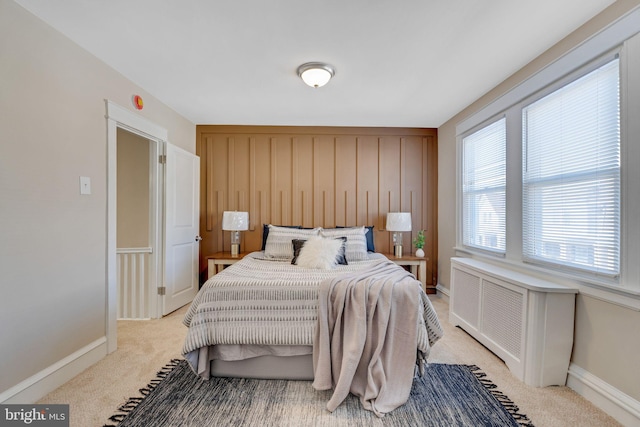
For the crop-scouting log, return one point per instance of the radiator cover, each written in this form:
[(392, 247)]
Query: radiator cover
[(525, 321)]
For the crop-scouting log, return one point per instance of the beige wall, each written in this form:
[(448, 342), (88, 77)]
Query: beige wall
[(606, 343), (133, 191), (52, 239)]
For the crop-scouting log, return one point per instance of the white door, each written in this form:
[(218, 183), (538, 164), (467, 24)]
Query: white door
[(182, 243)]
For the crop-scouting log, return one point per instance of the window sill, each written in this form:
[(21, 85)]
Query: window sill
[(627, 298)]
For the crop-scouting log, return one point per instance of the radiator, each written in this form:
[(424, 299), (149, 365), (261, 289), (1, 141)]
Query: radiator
[(525, 321), (133, 283)]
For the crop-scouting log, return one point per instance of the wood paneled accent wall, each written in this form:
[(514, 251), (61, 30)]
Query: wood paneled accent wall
[(317, 176)]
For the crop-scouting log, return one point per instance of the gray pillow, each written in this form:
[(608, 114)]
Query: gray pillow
[(279, 244)]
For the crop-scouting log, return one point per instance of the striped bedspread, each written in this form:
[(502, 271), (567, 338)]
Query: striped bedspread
[(266, 302)]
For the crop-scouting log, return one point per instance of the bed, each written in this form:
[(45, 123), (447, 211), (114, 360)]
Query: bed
[(259, 317)]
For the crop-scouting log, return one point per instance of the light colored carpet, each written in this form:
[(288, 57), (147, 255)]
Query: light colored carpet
[(145, 346)]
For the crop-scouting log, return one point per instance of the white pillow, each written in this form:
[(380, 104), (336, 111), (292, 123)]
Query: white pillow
[(356, 248), (279, 239), (318, 252)]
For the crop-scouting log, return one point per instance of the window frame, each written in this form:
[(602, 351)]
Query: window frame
[(611, 279), (483, 126), (621, 37)]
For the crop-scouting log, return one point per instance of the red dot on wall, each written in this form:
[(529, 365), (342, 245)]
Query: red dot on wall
[(138, 102)]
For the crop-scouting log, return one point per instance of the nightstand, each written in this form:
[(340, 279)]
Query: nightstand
[(218, 261), (417, 266)]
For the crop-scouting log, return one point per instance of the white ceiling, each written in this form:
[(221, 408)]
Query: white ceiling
[(407, 63)]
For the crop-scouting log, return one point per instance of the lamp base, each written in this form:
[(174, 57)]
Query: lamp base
[(235, 249), (397, 251)]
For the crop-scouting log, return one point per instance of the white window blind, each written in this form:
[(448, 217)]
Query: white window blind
[(571, 174), (483, 188)]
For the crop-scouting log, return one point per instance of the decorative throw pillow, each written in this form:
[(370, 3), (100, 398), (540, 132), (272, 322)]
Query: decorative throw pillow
[(369, 235), (297, 247), (279, 244), (356, 248), (265, 232), (320, 253), (340, 256)]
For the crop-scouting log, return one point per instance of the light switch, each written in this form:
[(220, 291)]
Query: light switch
[(85, 185)]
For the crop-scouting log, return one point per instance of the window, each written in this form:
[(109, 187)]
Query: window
[(483, 188), (571, 174)]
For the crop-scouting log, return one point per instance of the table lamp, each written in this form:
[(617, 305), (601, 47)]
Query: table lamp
[(235, 222), (398, 222)]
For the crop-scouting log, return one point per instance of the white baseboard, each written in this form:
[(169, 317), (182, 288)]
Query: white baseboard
[(442, 292), (622, 407), (37, 386)]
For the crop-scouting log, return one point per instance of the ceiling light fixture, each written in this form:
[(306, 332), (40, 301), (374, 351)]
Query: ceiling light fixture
[(316, 74)]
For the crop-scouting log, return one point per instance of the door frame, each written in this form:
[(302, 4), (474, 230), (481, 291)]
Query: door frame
[(119, 117)]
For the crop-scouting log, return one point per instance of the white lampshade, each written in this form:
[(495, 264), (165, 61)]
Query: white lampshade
[(399, 221), (235, 221), (316, 74)]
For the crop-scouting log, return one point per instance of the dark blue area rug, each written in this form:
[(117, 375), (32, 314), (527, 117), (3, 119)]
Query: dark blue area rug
[(447, 395)]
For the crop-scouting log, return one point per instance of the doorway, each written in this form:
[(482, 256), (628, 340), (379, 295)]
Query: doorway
[(119, 118), (134, 246), (173, 212)]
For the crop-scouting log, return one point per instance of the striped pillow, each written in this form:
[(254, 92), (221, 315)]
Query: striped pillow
[(279, 244), (356, 249)]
